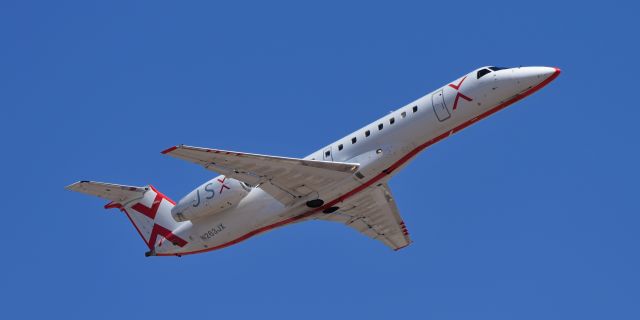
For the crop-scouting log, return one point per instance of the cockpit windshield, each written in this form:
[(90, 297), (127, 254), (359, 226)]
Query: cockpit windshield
[(485, 71)]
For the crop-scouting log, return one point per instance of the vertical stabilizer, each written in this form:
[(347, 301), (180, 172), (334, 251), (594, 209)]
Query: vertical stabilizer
[(147, 208)]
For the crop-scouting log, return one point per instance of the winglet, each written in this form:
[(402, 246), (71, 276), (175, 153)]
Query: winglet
[(170, 149)]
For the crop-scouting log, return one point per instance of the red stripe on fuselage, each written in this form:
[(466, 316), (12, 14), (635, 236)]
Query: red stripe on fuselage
[(381, 175)]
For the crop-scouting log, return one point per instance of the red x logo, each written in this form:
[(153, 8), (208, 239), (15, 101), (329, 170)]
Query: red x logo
[(157, 230), (459, 94), (222, 185), (150, 212), (166, 234)]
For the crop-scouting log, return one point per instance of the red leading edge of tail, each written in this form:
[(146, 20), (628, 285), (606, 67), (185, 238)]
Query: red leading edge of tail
[(151, 212)]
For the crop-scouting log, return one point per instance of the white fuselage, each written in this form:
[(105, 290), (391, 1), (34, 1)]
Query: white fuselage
[(381, 148)]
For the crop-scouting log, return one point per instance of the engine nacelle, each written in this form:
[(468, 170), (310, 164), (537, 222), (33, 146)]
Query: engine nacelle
[(214, 196)]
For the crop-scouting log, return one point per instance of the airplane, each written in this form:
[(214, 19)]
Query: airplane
[(345, 181)]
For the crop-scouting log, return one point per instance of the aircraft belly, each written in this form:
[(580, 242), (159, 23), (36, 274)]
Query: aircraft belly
[(255, 214)]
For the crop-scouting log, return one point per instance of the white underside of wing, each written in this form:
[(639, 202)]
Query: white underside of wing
[(286, 179), (374, 213)]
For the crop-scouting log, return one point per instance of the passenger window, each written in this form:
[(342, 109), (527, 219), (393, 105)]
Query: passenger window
[(380, 126), (415, 109), (339, 147), (483, 72), (392, 120), (367, 133), (403, 114), (327, 153), (353, 140)]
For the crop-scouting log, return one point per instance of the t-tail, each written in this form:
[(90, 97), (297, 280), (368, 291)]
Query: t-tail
[(147, 208)]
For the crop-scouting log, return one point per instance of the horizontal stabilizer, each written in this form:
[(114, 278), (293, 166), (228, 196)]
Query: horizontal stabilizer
[(114, 192), (148, 209)]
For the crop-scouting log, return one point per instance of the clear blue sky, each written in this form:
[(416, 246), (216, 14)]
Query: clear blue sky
[(530, 214)]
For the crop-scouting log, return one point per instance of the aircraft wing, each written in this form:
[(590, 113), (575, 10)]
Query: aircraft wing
[(374, 213), (286, 179)]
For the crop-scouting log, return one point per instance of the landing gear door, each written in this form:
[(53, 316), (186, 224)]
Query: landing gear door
[(437, 101)]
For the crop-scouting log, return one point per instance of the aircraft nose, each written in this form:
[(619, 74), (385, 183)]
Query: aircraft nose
[(529, 77)]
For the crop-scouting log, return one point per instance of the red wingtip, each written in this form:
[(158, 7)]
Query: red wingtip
[(169, 150)]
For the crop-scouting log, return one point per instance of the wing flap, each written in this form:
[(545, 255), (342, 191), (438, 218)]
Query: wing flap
[(373, 212)]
